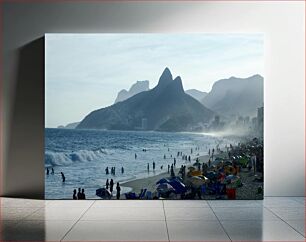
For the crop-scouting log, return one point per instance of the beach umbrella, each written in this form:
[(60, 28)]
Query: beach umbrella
[(178, 186), (161, 181), (164, 187), (103, 193), (197, 181)]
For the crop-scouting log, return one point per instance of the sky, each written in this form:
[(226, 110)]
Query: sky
[(85, 72)]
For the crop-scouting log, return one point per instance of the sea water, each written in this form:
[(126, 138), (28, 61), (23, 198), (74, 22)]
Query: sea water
[(83, 155)]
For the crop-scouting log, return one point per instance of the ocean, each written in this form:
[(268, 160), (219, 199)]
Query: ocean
[(83, 155)]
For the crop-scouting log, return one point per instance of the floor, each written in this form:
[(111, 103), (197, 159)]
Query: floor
[(274, 219)]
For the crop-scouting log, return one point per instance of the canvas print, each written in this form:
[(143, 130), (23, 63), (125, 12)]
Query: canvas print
[(154, 116)]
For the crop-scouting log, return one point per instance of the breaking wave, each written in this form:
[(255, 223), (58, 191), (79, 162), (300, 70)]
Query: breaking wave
[(62, 158)]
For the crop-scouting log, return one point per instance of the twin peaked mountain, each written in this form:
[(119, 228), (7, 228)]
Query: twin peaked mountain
[(166, 107)]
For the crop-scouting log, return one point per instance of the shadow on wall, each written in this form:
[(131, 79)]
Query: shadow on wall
[(24, 167)]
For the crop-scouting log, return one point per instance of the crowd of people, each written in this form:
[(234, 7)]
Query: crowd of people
[(80, 195)]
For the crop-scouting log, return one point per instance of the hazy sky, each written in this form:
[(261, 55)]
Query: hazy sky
[(85, 72)]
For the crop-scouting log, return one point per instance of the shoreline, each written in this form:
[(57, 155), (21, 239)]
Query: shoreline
[(150, 182)]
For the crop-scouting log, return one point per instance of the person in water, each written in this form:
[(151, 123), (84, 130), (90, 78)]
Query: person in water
[(111, 185), (135, 156), (79, 194), (148, 167), (106, 170), (74, 195), (47, 171), (107, 184), (168, 168), (83, 197), (118, 188), (63, 177), (52, 171), (122, 170), (153, 165)]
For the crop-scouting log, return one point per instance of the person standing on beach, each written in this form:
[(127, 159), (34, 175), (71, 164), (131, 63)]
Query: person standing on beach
[(189, 158), (83, 197), (174, 162), (148, 167), (47, 171), (74, 195), (172, 171), (122, 170), (106, 170), (52, 171), (164, 156), (111, 186), (79, 194), (63, 177), (153, 165), (168, 168), (107, 184), (118, 190), (209, 162), (135, 156)]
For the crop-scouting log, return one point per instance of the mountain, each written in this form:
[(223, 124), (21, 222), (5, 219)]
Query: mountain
[(139, 86), (69, 126), (236, 96), (166, 107), (196, 94)]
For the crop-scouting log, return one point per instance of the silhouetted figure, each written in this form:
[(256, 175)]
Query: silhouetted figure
[(79, 194), (52, 171), (161, 167), (63, 177), (189, 158), (122, 170), (83, 197), (111, 185), (148, 167), (118, 190), (74, 195), (209, 162), (191, 151), (164, 156), (174, 162), (47, 171), (168, 168), (106, 170), (107, 184), (172, 171), (135, 156), (153, 165)]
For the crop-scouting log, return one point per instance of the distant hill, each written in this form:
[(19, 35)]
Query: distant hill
[(196, 94), (139, 86), (236, 96), (166, 107), (69, 126)]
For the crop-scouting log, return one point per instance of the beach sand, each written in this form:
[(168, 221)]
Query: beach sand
[(247, 191), (150, 182)]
